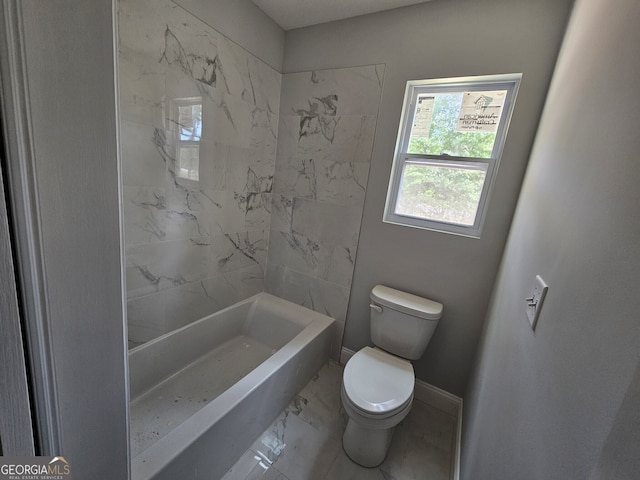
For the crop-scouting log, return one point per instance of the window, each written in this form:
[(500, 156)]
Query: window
[(187, 117), (450, 139)]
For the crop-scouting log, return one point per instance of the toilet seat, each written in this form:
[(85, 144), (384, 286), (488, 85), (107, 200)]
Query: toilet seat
[(377, 383)]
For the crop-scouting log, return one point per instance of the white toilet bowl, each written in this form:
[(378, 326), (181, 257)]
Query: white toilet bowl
[(377, 383), (377, 393)]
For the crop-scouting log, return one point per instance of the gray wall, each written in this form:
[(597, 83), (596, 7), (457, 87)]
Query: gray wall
[(434, 40), (562, 402), (245, 23), (70, 71)]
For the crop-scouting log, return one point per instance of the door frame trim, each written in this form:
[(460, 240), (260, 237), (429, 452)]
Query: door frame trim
[(21, 181)]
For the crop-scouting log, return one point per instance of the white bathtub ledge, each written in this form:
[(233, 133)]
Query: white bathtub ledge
[(250, 404)]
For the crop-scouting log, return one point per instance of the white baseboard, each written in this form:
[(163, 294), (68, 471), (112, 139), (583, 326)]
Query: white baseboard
[(437, 398), (456, 445), (345, 355)]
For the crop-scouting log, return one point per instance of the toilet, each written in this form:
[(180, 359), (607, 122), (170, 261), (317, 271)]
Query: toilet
[(377, 383)]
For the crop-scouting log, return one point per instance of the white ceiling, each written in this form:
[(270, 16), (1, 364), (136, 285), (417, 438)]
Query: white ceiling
[(290, 14)]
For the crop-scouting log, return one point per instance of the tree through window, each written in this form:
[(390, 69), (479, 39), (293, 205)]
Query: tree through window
[(450, 139)]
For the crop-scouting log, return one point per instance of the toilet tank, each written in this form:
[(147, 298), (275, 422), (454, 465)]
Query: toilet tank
[(402, 323)]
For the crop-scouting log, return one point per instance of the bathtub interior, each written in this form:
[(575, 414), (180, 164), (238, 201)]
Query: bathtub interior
[(178, 374)]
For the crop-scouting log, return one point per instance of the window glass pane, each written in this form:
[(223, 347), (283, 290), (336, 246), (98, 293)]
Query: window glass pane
[(441, 192), (188, 162), (461, 124), (190, 122)]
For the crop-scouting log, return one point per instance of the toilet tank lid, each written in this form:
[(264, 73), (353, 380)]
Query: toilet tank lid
[(406, 303)]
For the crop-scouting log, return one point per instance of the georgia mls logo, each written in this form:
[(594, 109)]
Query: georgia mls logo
[(59, 466), (34, 468)]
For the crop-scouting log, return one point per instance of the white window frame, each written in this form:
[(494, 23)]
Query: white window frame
[(509, 82)]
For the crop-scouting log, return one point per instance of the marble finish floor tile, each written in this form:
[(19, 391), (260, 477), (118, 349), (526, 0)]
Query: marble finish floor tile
[(305, 441)]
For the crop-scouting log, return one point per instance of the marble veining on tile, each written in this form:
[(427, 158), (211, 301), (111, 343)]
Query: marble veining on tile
[(305, 441), (199, 119), (267, 174), (325, 141)]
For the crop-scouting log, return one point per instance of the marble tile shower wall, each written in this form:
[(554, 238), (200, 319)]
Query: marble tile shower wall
[(325, 140), (199, 127)]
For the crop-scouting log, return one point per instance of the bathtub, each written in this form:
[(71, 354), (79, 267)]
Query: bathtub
[(202, 394)]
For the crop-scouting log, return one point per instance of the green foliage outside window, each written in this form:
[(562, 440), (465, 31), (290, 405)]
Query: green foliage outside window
[(449, 194), (446, 193), (443, 137)]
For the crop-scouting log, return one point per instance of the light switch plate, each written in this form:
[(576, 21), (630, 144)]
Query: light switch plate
[(535, 299)]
